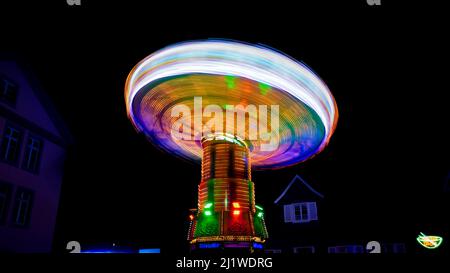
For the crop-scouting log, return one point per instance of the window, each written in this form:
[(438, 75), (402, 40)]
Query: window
[(5, 197), (272, 251), (394, 248), (22, 207), (346, 249), (304, 249), (10, 146), (8, 91), (300, 212), (399, 248), (32, 155)]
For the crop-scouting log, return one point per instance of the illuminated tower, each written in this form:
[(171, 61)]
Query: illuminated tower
[(226, 197), (185, 99)]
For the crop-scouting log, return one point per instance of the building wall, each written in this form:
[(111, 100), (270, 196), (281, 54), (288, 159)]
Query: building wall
[(37, 236), (305, 236), (286, 236)]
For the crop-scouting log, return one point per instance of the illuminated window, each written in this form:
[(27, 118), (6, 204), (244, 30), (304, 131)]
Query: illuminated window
[(22, 207), (10, 146), (32, 154), (8, 91), (5, 196), (300, 212)]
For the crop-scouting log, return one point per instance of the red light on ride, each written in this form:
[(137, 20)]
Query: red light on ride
[(191, 217), (236, 207)]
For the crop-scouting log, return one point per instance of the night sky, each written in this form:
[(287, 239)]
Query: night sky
[(382, 174)]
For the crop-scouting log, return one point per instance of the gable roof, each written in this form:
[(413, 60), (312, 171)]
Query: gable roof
[(298, 179), (64, 133)]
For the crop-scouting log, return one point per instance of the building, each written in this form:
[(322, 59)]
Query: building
[(296, 226), (33, 145), (296, 215)]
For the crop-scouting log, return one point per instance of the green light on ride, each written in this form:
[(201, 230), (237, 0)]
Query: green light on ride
[(228, 107), (260, 214), (263, 88), (258, 207), (231, 81), (208, 207), (208, 213)]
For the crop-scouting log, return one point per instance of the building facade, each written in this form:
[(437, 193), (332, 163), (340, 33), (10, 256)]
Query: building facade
[(33, 145), (297, 214)]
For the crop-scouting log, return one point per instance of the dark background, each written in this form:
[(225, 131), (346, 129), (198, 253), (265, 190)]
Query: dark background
[(382, 174)]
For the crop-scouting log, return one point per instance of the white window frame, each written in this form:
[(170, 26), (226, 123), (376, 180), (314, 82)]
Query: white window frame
[(24, 204), (33, 148), (7, 84), (291, 217), (9, 137)]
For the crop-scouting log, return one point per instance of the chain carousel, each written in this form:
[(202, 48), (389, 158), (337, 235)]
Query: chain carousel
[(232, 107)]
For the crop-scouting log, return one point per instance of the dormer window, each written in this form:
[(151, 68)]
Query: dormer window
[(300, 212), (8, 91)]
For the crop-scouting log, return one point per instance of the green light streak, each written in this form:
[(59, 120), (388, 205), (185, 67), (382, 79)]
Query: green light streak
[(263, 88), (226, 200), (231, 81)]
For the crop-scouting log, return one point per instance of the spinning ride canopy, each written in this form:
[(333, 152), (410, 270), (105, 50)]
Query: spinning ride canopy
[(228, 73)]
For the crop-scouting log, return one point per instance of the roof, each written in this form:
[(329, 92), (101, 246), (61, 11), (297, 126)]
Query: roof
[(40, 94), (300, 180)]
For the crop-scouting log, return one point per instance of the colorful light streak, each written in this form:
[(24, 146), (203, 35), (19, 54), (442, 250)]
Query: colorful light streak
[(209, 245), (149, 251), (232, 73)]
